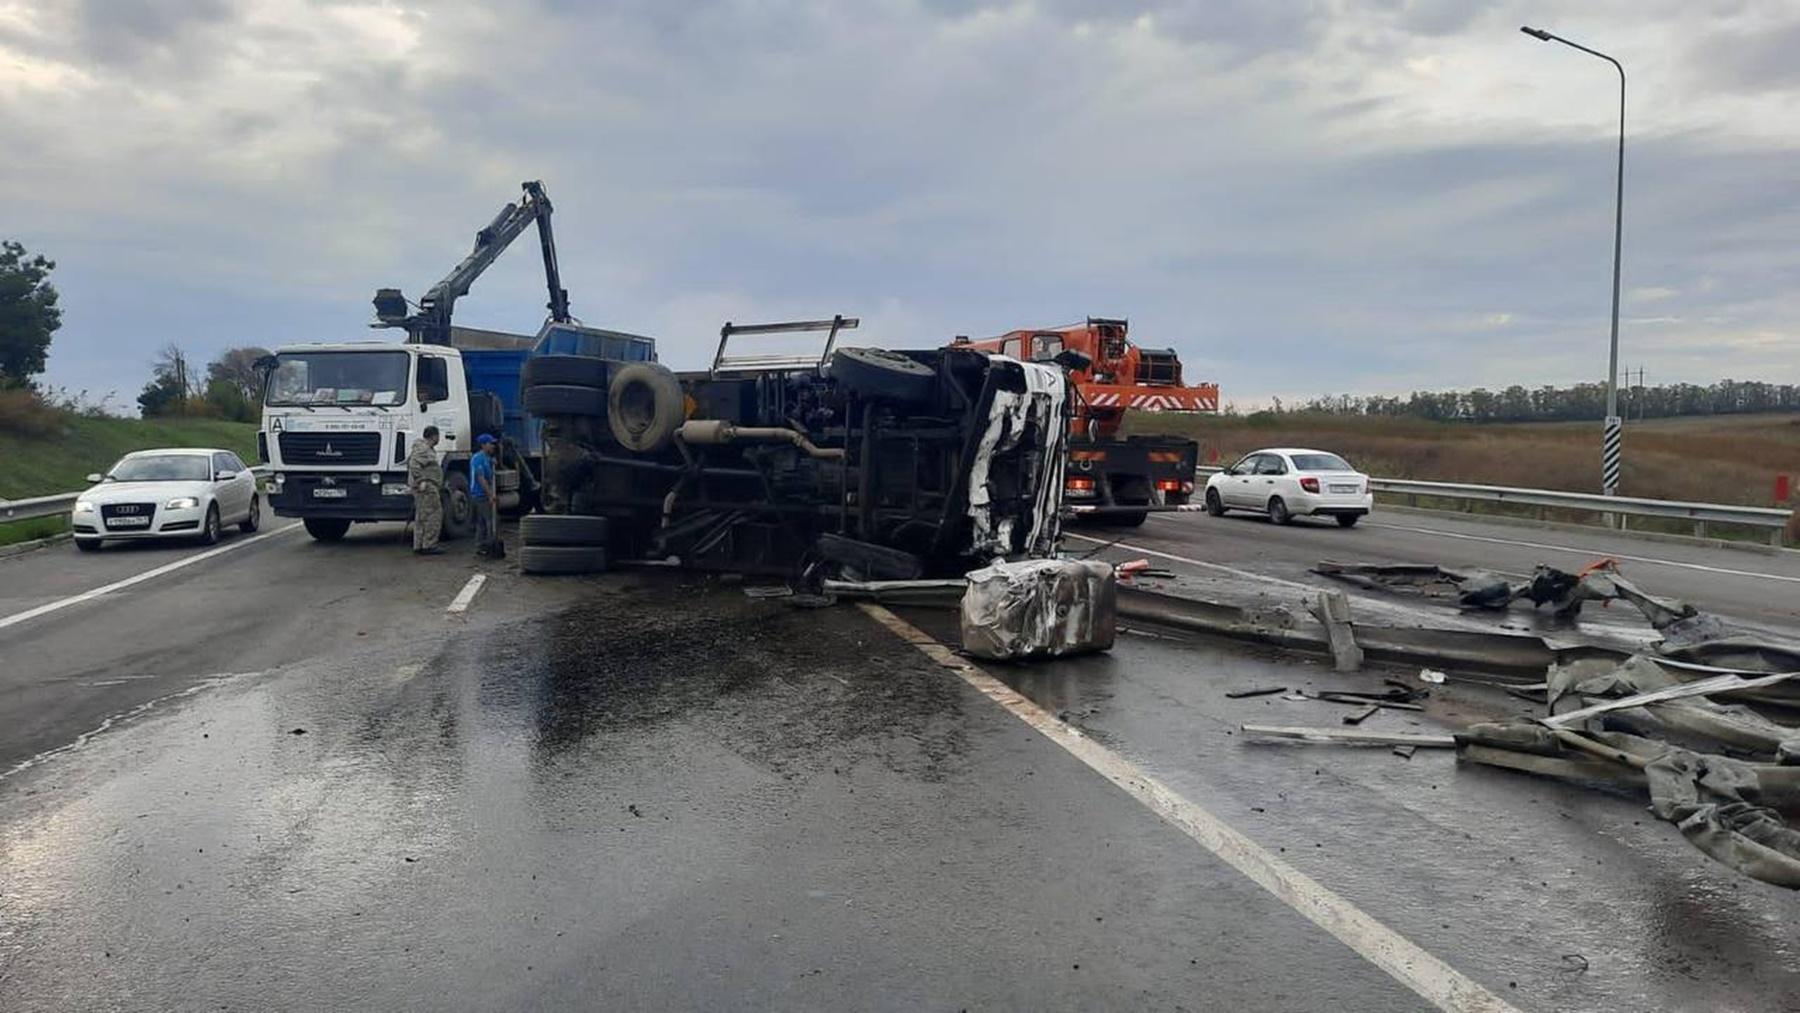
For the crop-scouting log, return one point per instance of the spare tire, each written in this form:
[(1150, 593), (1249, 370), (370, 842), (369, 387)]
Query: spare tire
[(564, 399), (879, 373), (644, 406), (573, 370), (562, 529), (562, 559)]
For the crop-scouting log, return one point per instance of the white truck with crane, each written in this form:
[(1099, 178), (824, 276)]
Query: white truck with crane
[(338, 417)]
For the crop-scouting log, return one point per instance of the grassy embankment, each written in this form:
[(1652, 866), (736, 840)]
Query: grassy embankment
[(60, 461), (1715, 459)]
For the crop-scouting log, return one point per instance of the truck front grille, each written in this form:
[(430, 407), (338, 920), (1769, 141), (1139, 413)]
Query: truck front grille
[(330, 449)]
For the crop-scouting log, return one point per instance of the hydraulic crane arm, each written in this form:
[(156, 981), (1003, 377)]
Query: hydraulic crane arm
[(431, 324)]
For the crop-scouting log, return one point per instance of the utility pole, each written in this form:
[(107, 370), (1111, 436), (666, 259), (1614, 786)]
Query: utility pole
[(1612, 436)]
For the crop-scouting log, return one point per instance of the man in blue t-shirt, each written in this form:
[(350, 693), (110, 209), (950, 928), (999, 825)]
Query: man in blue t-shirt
[(485, 497)]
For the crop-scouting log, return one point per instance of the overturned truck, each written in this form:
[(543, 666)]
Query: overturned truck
[(849, 461)]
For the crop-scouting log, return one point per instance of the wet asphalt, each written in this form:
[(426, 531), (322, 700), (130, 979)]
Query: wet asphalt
[(648, 790)]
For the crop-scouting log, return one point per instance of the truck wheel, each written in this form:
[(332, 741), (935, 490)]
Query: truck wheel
[(564, 399), (565, 370), (1215, 507), (562, 529), (879, 373), (562, 559), (644, 406), (459, 509), (326, 529)]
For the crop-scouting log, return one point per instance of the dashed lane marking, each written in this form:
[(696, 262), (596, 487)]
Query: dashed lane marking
[(461, 602), (120, 585), (1437, 982)]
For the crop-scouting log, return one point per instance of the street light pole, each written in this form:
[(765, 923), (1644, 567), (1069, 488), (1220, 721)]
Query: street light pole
[(1613, 433)]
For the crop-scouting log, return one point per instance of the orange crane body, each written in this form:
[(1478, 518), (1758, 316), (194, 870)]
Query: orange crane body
[(1118, 478)]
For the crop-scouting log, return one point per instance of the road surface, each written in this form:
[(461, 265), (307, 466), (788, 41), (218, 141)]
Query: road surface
[(285, 777)]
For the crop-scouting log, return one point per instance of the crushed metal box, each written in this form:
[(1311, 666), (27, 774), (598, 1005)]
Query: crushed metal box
[(1039, 608)]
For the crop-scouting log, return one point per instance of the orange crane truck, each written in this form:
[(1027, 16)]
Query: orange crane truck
[(1113, 479)]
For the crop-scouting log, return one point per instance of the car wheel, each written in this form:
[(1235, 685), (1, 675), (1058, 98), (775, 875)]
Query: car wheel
[(254, 520), (88, 544), (1278, 511), (459, 509), (209, 528), (1348, 520), (1214, 505), (326, 529)]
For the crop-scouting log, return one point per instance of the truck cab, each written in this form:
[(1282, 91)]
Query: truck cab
[(339, 418)]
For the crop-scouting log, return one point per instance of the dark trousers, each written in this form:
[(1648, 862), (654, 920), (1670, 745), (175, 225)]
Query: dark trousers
[(487, 528)]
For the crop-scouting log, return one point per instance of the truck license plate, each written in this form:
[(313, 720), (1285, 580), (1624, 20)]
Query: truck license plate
[(329, 493), (128, 522)]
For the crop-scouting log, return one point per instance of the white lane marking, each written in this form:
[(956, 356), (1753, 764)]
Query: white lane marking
[(1437, 982), (461, 602), (1592, 553), (120, 585), (1234, 571)]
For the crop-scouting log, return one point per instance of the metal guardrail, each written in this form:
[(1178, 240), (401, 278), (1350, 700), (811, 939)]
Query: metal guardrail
[(1620, 507), (61, 503)]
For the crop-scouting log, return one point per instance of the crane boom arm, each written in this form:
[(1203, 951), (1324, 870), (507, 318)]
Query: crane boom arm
[(431, 324)]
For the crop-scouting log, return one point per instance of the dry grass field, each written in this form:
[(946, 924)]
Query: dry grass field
[(1722, 458)]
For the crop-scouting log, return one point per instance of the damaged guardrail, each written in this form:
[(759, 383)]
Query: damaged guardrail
[(61, 503), (1622, 507)]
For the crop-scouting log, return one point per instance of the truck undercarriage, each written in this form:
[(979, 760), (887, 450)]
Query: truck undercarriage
[(858, 462)]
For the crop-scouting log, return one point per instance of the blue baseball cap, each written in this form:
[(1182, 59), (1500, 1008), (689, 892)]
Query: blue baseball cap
[(484, 438)]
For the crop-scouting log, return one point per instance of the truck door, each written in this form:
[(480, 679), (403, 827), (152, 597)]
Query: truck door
[(432, 396)]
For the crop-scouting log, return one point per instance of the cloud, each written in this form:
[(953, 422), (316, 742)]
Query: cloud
[(1335, 196)]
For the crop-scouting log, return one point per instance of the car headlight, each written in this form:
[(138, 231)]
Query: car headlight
[(83, 507), (181, 503)]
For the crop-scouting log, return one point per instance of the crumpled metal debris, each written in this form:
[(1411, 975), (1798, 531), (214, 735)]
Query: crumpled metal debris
[(1039, 608)]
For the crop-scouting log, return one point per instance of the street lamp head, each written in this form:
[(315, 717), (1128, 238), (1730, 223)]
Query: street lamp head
[(1536, 33)]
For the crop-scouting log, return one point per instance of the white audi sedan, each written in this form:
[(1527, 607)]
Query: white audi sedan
[(167, 494), (1289, 482)]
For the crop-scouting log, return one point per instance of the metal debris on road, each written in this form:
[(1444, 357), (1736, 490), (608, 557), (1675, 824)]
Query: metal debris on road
[(1240, 694)]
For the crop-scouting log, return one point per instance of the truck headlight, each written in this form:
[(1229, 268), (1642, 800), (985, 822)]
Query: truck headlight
[(181, 503), (83, 507)]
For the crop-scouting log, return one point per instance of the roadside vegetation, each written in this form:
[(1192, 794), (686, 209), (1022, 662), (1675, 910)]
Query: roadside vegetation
[(1717, 458)]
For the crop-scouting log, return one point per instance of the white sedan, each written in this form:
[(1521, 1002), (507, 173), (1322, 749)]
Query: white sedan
[(167, 494), (1289, 482)]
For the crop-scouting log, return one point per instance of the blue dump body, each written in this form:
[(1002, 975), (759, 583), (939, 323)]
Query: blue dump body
[(499, 371), (573, 339)]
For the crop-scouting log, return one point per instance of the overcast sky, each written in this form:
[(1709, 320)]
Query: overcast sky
[(1302, 197)]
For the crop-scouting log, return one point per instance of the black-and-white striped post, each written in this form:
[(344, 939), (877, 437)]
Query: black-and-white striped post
[(1611, 448)]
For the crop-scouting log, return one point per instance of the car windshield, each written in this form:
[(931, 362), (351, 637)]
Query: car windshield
[(340, 378), (1321, 462), (163, 468)]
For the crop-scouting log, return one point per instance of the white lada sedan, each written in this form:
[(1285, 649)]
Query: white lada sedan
[(1289, 482), (187, 493)]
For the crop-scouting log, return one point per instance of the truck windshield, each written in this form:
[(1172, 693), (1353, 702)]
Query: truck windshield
[(337, 378)]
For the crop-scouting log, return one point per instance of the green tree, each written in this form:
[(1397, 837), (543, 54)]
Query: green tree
[(237, 367), (163, 395), (28, 314)]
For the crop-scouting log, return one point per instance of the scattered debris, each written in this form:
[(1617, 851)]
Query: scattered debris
[(1431, 675), (1358, 717), (1239, 694), (1405, 752), (1332, 609), (1419, 739), (298, 731)]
